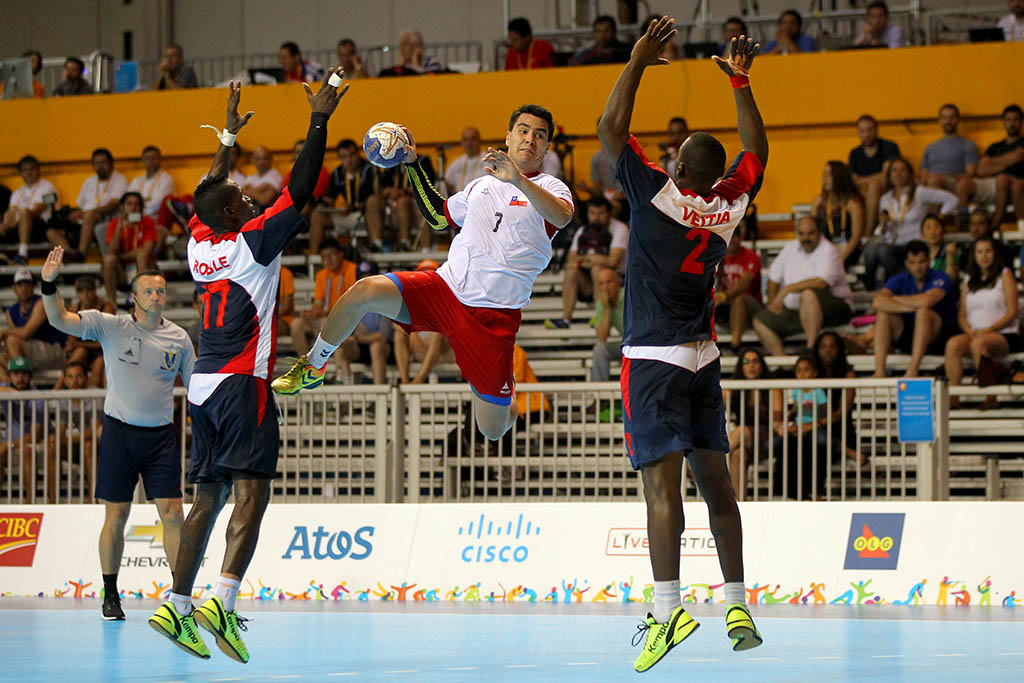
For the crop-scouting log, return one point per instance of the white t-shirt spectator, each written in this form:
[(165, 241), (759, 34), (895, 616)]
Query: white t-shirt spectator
[(619, 231), (461, 171), (25, 197), (95, 192), (153, 190), (552, 165), (906, 215), (1013, 28), (987, 305), (273, 177), (793, 265)]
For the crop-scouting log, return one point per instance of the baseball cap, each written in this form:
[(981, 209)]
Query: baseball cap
[(19, 363), (23, 275), (428, 264)]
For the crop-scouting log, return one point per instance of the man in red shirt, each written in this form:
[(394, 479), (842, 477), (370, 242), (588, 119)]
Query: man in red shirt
[(738, 294), (525, 51), (131, 239), (321, 184)]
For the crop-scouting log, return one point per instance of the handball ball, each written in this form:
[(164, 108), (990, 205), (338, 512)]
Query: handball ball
[(386, 145)]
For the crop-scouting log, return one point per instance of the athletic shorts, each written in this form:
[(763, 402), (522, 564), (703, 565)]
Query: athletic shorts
[(482, 339), (235, 434), (834, 310), (127, 452), (669, 409), (984, 190)]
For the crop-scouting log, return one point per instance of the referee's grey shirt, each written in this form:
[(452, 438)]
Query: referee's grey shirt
[(141, 366)]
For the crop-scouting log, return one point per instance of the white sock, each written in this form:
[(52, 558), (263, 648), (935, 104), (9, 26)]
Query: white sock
[(666, 599), (321, 353), (735, 591), (227, 590), (23, 249), (182, 603)]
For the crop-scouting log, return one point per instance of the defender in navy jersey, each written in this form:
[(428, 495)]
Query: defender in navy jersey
[(671, 393), (235, 259)]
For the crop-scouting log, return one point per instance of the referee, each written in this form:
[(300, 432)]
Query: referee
[(144, 354)]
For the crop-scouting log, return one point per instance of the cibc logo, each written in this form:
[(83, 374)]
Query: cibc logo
[(326, 545), (19, 535), (501, 540)]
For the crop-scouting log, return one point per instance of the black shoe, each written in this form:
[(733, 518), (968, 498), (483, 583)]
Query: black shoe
[(74, 256), (20, 260), (112, 608)]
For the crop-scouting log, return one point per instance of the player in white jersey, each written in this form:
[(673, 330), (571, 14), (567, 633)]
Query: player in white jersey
[(505, 222)]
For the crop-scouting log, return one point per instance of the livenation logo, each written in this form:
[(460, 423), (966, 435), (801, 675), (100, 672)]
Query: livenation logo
[(634, 542), (493, 534)]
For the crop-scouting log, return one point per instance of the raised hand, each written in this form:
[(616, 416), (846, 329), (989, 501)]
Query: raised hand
[(235, 122), (410, 150), (498, 164), (651, 43), (51, 269), (326, 99), (739, 56)]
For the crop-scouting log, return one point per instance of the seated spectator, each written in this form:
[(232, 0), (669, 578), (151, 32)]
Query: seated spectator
[(467, 167), (332, 280), (988, 315), (609, 308), (951, 157), (525, 51), (349, 59), (738, 292), (1013, 23), (734, 27), (264, 185), (74, 82), (88, 353), (98, 201), (1000, 173), (807, 290), (840, 210), (552, 163), (370, 343), (878, 32), (916, 310), (319, 191), (414, 62), (30, 207), (296, 69), (429, 348), (941, 257), (600, 243), (526, 402), (678, 131), (285, 303), (902, 208), (606, 48), (602, 182), (175, 74), (747, 409), (155, 184), (391, 192), (76, 423), (979, 225), (348, 188), (25, 421), (833, 364), (28, 333), (869, 164), (131, 239), (668, 50), (788, 37), (38, 90)]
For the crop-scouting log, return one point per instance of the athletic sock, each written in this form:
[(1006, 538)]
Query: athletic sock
[(321, 353), (182, 603), (227, 590), (735, 591), (23, 251), (110, 585), (666, 599)]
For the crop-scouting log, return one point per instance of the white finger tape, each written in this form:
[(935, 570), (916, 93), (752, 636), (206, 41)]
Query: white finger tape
[(227, 139), (334, 80)]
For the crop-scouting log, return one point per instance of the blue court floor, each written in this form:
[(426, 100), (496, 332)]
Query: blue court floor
[(65, 640)]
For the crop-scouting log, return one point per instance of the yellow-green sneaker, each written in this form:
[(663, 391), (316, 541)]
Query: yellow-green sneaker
[(180, 630), (224, 625), (662, 637), (300, 376), (741, 627)]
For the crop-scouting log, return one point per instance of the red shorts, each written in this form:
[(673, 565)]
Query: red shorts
[(482, 339)]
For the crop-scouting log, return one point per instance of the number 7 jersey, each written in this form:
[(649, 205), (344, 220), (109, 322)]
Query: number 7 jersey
[(238, 275)]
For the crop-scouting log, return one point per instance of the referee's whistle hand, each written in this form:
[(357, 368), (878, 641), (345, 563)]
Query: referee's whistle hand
[(51, 269)]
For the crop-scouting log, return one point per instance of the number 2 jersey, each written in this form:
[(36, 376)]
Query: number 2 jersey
[(677, 239), (238, 275)]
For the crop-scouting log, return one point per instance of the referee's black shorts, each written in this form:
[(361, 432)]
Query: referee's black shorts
[(127, 451), (235, 434)]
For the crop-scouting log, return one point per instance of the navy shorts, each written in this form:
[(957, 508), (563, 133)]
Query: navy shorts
[(669, 409), (235, 433), (127, 451)]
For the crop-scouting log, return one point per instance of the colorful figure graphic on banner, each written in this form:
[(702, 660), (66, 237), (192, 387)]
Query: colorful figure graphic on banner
[(944, 587), (453, 594), (770, 599), (158, 590), (473, 593), (80, 587), (754, 593), (916, 594), (568, 590), (1011, 600), (963, 598), (402, 590), (985, 591)]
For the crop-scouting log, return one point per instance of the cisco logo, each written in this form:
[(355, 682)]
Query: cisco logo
[(499, 540)]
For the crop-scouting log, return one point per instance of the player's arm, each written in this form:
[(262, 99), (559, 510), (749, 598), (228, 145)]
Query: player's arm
[(235, 123), (737, 66), (428, 200), (613, 128), (306, 170), (554, 210), (53, 303)]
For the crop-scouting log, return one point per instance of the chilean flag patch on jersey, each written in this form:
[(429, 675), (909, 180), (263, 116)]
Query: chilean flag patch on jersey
[(516, 201)]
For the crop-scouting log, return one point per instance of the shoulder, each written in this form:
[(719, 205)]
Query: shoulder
[(550, 182), (995, 148), (618, 226)]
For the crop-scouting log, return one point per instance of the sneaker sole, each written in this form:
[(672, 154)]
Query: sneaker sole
[(688, 632), (222, 642), (159, 629), (747, 639), (106, 618)]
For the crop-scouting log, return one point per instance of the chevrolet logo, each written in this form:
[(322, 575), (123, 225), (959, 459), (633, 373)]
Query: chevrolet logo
[(154, 534)]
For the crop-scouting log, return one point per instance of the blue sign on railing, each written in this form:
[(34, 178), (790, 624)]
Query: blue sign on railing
[(915, 410)]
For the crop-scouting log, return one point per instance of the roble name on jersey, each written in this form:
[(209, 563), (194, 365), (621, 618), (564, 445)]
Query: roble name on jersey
[(210, 267)]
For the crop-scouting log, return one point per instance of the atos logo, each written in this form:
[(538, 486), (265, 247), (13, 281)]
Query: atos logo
[(493, 548), (326, 545), (874, 541)]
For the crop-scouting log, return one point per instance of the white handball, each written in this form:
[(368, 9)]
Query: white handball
[(386, 145)]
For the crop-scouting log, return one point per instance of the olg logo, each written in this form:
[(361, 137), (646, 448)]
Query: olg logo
[(874, 541), (324, 545)]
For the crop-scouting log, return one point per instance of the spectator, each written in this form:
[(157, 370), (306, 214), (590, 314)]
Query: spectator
[(234, 175), (678, 131), (469, 166), (606, 48), (429, 348), (74, 82), (25, 422), (840, 210), (746, 409), (668, 50), (987, 316), (734, 27), (98, 201), (869, 163), (155, 184), (903, 207), (941, 257), (195, 328), (526, 402), (1013, 23), (608, 314), (333, 280), (525, 51), (88, 353), (349, 59), (30, 207), (370, 343), (391, 190), (351, 182), (738, 294), (175, 74), (600, 243), (833, 364), (319, 190), (878, 32), (38, 90), (264, 185), (28, 333), (951, 157), (602, 181), (807, 290), (131, 239), (285, 302), (296, 69), (801, 464), (75, 426), (414, 62), (915, 310), (788, 37), (1000, 173), (979, 225)]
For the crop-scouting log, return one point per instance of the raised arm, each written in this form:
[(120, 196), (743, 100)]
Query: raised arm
[(306, 170), (59, 317), (235, 123), (741, 55)]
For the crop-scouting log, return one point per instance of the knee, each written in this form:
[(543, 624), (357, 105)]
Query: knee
[(493, 432), (1002, 181), (110, 260), (964, 185), (116, 519), (373, 203), (379, 349), (170, 513)]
